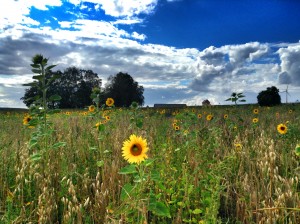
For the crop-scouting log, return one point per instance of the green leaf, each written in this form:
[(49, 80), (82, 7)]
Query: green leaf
[(55, 97), (38, 77), (139, 123), (50, 67), (30, 84), (297, 150), (159, 208), (197, 211), (35, 65), (126, 191), (54, 111), (100, 163), (58, 145), (35, 157), (130, 169), (39, 71), (32, 142), (155, 176)]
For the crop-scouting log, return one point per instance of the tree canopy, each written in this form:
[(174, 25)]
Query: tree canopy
[(73, 85), (124, 90), (269, 97)]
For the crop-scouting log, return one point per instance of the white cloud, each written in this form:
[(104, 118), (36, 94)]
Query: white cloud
[(290, 65), (126, 8)]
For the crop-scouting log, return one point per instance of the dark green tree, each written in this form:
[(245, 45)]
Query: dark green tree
[(73, 85), (124, 90), (269, 97)]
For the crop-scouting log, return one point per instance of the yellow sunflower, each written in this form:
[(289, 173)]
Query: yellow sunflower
[(199, 116), (225, 116), (27, 119), (134, 149), (255, 111), (176, 128), (209, 117), (109, 102), (92, 108), (107, 118), (238, 147), (255, 120), (290, 111), (68, 113), (282, 129)]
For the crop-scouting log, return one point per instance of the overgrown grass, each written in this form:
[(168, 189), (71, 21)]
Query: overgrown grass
[(197, 173)]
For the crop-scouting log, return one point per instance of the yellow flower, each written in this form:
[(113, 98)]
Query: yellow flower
[(225, 116), (209, 117), (255, 120), (255, 111), (199, 116), (238, 147), (134, 150), (27, 119), (68, 113), (282, 129), (176, 128), (109, 102), (107, 118), (290, 111), (92, 108)]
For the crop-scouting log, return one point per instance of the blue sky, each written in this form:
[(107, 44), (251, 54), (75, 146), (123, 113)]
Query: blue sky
[(181, 51)]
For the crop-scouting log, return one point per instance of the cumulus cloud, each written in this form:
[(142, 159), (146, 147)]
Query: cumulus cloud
[(290, 65)]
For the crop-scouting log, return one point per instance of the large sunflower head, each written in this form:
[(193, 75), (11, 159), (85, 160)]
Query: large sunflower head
[(282, 129), (109, 102), (134, 149)]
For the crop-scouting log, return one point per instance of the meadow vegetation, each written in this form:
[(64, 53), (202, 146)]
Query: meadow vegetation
[(230, 164)]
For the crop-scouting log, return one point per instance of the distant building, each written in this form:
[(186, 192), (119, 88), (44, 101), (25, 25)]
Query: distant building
[(166, 105)]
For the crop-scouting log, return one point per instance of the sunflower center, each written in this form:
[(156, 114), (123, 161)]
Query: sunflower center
[(282, 128), (136, 150)]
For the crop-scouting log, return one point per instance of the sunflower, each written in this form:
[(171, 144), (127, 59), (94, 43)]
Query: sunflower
[(199, 116), (238, 147), (282, 129), (68, 113), (255, 111), (109, 102), (27, 119), (176, 128), (92, 108), (107, 118), (290, 111), (134, 149), (209, 117), (225, 116), (255, 120)]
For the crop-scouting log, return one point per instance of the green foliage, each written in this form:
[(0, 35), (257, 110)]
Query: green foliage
[(124, 90), (269, 97)]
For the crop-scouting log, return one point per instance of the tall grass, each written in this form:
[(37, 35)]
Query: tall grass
[(197, 172)]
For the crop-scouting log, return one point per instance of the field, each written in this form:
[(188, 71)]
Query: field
[(225, 164)]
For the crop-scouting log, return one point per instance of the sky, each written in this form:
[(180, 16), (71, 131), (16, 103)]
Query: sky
[(180, 51)]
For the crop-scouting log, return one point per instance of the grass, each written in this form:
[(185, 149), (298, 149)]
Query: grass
[(193, 175)]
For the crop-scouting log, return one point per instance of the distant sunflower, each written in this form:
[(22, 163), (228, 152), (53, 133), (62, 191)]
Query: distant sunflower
[(68, 113), (84, 113), (176, 128), (27, 119), (134, 149), (255, 120), (199, 116), (92, 108), (225, 116), (290, 111), (107, 118), (255, 111), (109, 102), (209, 117), (238, 147), (282, 129)]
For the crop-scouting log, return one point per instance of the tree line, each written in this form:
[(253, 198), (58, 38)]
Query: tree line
[(75, 87)]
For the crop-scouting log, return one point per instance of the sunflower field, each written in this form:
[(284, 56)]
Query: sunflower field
[(218, 164)]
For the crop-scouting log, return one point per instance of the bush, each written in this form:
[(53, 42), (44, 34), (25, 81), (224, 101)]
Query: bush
[(269, 97)]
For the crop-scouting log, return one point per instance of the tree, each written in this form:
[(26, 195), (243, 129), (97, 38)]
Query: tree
[(269, 97), (124, 90), (73, 85)]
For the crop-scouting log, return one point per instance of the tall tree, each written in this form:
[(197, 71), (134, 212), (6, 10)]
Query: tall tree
[(269, 97), (124, 90), (73, 85)]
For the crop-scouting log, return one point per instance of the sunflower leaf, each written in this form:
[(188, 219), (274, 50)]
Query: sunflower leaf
[(130, 169), (126, 191), (159, 208)]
